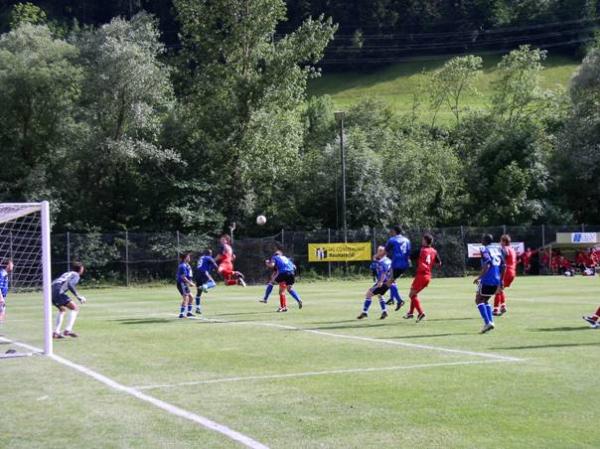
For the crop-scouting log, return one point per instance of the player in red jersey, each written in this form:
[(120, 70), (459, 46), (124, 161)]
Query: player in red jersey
[(427, 257), (510, 258), (593, 320), (526, 259), (225, 260)]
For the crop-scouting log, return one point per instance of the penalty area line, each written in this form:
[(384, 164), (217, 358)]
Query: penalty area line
[(169, 408), (320, 373), (486, 355)]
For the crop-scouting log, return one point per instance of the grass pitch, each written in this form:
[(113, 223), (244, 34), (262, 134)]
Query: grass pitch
[(314, 378)]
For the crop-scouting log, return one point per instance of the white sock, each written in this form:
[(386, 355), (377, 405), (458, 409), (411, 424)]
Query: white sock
[(72, 318), (59, 320)]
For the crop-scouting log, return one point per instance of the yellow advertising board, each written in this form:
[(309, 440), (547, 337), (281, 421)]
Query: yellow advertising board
[(339, 252)]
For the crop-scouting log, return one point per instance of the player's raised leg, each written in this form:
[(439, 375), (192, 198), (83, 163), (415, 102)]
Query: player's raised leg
[(593, 320)]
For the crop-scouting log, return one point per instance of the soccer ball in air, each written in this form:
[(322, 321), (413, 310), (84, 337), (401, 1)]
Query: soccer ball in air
[(261, 220)]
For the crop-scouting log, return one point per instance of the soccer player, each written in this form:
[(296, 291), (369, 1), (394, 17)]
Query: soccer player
[(285, 276), (225, 260), (427, 257), (398, 250), (184, 282), (67, 282), (202, 277), (526, 259), (5, 271), (510, 259), (489, 280), (384, 273), (593, 320)]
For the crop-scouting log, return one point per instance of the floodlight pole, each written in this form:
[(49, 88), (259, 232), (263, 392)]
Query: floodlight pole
[(339, 116)]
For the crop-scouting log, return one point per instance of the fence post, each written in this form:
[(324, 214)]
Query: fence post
[(68, 250), (282, 237), (178, 248), (582, 227), (373, 241), (503, 229), (329, 241), (543, 235), (127, 258)]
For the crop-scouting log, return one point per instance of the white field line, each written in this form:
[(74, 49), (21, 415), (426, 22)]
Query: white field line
[(169, 408), (373, 340), (319, 373), (342, 336)]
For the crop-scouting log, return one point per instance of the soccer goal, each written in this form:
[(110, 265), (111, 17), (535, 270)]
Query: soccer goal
[(25, 240)]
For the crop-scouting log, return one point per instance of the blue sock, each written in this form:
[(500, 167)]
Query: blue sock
[(295, 295), (182, 310), (395, 294), (483, 313), (488, 311), (268, 291), (367, 304), (211, 284), (198, 301), (189, 308), (382, 304)]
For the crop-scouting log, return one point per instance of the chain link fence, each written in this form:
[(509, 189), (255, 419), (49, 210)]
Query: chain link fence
[(130, 258)]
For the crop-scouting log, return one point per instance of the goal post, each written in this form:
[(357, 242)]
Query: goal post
[(25, 239)]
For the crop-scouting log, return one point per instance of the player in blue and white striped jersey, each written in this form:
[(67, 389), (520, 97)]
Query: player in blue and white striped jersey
[(383, 270), (5, 271), (67, 282)]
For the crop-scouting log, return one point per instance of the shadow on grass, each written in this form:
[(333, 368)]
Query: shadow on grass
[(562, 329), (145, 320), (453, 319), (557, 345), (356, 325), (243, 313), (430, 335)]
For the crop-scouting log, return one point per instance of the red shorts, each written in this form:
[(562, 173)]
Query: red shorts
[(509, 277), (420, 282), (226, 269)]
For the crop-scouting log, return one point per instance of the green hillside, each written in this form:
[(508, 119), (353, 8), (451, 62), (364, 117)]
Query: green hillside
[(397, 83)]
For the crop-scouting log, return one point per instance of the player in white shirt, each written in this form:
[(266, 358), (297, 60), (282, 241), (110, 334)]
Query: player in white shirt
[(67, 282)]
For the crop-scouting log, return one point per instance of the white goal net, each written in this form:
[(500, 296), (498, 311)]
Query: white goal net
[(25, 275)]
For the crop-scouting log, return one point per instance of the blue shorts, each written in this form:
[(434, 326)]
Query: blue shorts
[(183, 288), (487, 290), (288, 278), (59, 299), (397, 272), (201, 277)]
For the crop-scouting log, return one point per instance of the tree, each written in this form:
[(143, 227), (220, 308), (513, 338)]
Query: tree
[(453, 81), (507, 170), (40, 84), (518, 93), (127, 96), (27, 13), (578, 156), (237, 79)]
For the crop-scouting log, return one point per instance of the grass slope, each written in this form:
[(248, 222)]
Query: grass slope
[(396, 84), (131, 335)]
